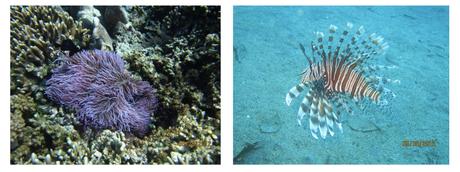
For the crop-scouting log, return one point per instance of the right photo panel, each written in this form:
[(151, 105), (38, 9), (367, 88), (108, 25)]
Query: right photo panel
[(341, 85)]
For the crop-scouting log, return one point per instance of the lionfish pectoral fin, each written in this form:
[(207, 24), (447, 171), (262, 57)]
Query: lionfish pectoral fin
[(300, 115), (294, 92), (313, 128), (322, 127), (332, 118), (323, 119), (339, 125), (303, 109), (314, 121), (331, 132)]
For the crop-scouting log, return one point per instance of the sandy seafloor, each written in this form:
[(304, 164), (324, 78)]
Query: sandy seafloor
[(267, 62)]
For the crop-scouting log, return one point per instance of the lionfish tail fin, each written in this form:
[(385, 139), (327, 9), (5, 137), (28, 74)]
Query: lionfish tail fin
[(294, 92), (386, 96)]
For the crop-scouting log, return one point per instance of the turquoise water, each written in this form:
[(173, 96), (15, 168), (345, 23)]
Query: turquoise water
[(268, 61)]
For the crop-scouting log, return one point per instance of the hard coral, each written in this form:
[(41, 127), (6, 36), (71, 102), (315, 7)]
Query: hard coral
[(37, 34), (97, 86)]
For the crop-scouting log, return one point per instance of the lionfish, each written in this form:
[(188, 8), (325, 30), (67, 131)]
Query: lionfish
[(336, 74)]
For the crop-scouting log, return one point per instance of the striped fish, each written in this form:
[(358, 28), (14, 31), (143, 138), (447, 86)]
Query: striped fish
[(334, 71)]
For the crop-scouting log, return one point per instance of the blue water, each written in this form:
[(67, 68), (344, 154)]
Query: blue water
[(267, 63)]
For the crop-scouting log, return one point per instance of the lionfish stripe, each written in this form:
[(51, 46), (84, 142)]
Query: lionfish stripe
[(323, 128), (334, 69), (356, 84), (338, 72), (374, 44), (314, 122), (329, 115), (324, 63), (289, 98), (336, 118), (367, 91), (322, 120), (375, 96), (363, 88), (329, 119), (339, 76), (349, 81), (371, 94), (349, 76), (294, 92), (301, 113), (327, 71), (304, 106), (331, 38), (319, 36), (299, 88), (331, 132), (359, 33), (343, 78), (319, 69), (359, 86), (332, 30), (365, 85), (305, 54)]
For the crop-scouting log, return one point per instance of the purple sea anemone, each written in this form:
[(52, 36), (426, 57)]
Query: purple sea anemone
[(96, 84)]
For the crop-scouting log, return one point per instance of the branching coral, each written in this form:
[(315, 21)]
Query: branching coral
[(97, 86), (38, 33)]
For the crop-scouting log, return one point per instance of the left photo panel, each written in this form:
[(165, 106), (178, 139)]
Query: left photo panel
[(115, 85)]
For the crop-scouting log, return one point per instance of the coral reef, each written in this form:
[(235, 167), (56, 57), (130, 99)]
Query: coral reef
[(175, 49), (90, 19), (97, 86), (183, 64), (38, 34)]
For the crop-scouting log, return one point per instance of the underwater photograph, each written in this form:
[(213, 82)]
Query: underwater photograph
[(341, 85), (115, 85)]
